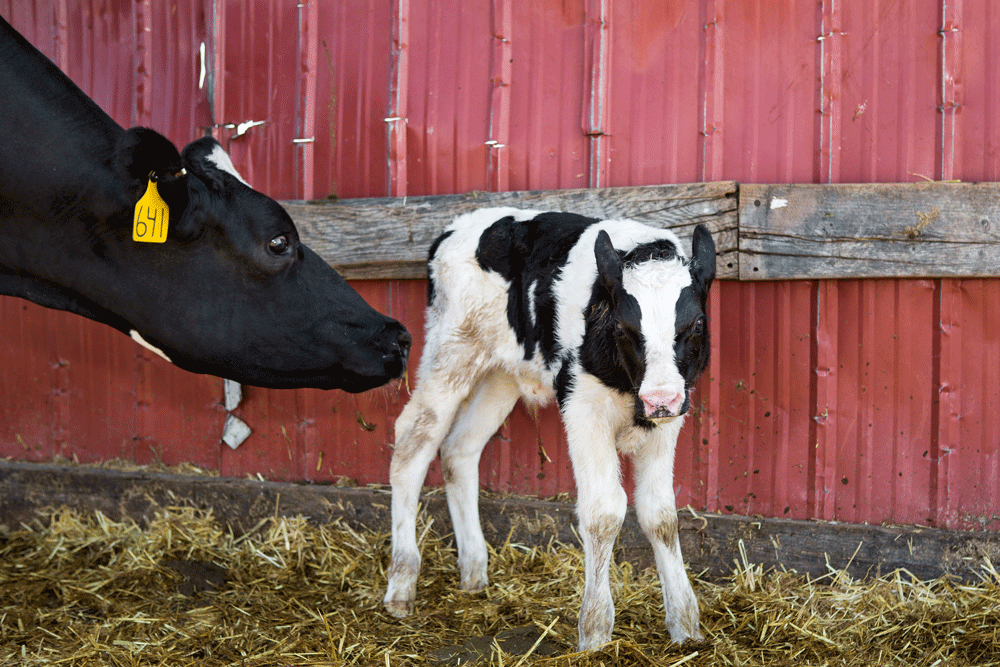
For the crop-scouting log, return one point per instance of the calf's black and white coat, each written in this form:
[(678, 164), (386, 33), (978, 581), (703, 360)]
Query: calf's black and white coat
[(608, 317)]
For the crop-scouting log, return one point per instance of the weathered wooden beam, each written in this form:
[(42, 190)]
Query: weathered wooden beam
[(388, 238), (883, 230), (710, 542)]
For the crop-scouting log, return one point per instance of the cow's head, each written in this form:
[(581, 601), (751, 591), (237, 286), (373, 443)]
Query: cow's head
[(234, 281), (646, 324)]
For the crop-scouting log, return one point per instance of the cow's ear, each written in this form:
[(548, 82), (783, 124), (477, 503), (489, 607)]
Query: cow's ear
[(609, 263), (208, 160), (140, 152), (702, 258)]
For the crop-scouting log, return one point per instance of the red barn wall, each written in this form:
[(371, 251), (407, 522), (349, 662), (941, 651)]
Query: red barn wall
[(855, 400)]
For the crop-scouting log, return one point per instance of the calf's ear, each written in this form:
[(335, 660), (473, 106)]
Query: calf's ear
[(609, 263), (702, 258)]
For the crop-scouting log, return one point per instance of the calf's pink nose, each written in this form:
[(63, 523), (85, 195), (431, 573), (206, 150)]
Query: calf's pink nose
[(662, 403)]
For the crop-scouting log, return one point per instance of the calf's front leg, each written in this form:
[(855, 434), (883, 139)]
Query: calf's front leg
[(601, 505), (657, 513)]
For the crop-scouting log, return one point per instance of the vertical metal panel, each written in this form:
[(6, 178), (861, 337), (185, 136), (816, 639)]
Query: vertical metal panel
[(449, 99), (598, 25), (498, 136), (977, 96), (398, 95), (351, 91), (25, 381), (655, 119), (711, 89), (276, 447), (305, 111), (259, 82), (952, 40), (831, 57), (763, 420), (769, 122), (889, 92), (884, 399), (93, 396), (968, 481), (547, 149), (179, 415)]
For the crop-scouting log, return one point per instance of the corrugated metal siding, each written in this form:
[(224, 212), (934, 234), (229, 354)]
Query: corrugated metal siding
[(872, 400), (352, 99)]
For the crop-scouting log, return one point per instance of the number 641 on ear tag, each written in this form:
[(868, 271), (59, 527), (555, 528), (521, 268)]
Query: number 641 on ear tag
[(149, 224)]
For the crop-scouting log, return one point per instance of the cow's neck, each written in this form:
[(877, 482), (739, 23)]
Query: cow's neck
[(57, 181), (58, 144)]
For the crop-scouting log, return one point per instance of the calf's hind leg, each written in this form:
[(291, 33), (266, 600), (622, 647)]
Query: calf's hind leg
[(478, 419), (420, 428)]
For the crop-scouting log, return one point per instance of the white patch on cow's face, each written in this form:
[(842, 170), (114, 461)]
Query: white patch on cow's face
[(220, 159), (142, 341), (657, 285)]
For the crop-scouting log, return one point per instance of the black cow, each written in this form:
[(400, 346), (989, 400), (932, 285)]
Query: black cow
[(231, 292)]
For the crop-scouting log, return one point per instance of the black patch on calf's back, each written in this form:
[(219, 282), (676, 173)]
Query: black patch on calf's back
[(530, 255), (430, 259)]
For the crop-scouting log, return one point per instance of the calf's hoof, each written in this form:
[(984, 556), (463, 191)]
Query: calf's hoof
[(679, 637), (475, 583), (398, 608), (685, 627)]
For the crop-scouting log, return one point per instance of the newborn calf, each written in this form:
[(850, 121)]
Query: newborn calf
[(606, 316)]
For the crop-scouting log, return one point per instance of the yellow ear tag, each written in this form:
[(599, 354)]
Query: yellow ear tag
[(152, 214)]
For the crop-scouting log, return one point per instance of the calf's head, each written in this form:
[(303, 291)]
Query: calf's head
[(646, 330), (234, 292)]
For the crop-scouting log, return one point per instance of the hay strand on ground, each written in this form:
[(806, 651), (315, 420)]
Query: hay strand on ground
[(184, 591)]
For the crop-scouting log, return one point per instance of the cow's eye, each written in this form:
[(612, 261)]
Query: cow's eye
[(699, 326), (278, 245)]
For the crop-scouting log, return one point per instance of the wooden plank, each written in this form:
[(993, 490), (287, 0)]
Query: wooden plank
[(388, 238), (883, 230), (710, 542)]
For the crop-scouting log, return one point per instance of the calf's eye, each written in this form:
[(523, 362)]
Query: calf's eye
[(278, 245)]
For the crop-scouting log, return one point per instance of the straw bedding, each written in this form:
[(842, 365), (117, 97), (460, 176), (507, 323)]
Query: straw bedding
[(184, 591)]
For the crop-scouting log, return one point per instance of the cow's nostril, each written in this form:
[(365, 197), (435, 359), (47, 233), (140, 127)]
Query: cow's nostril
[(405, 340)]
